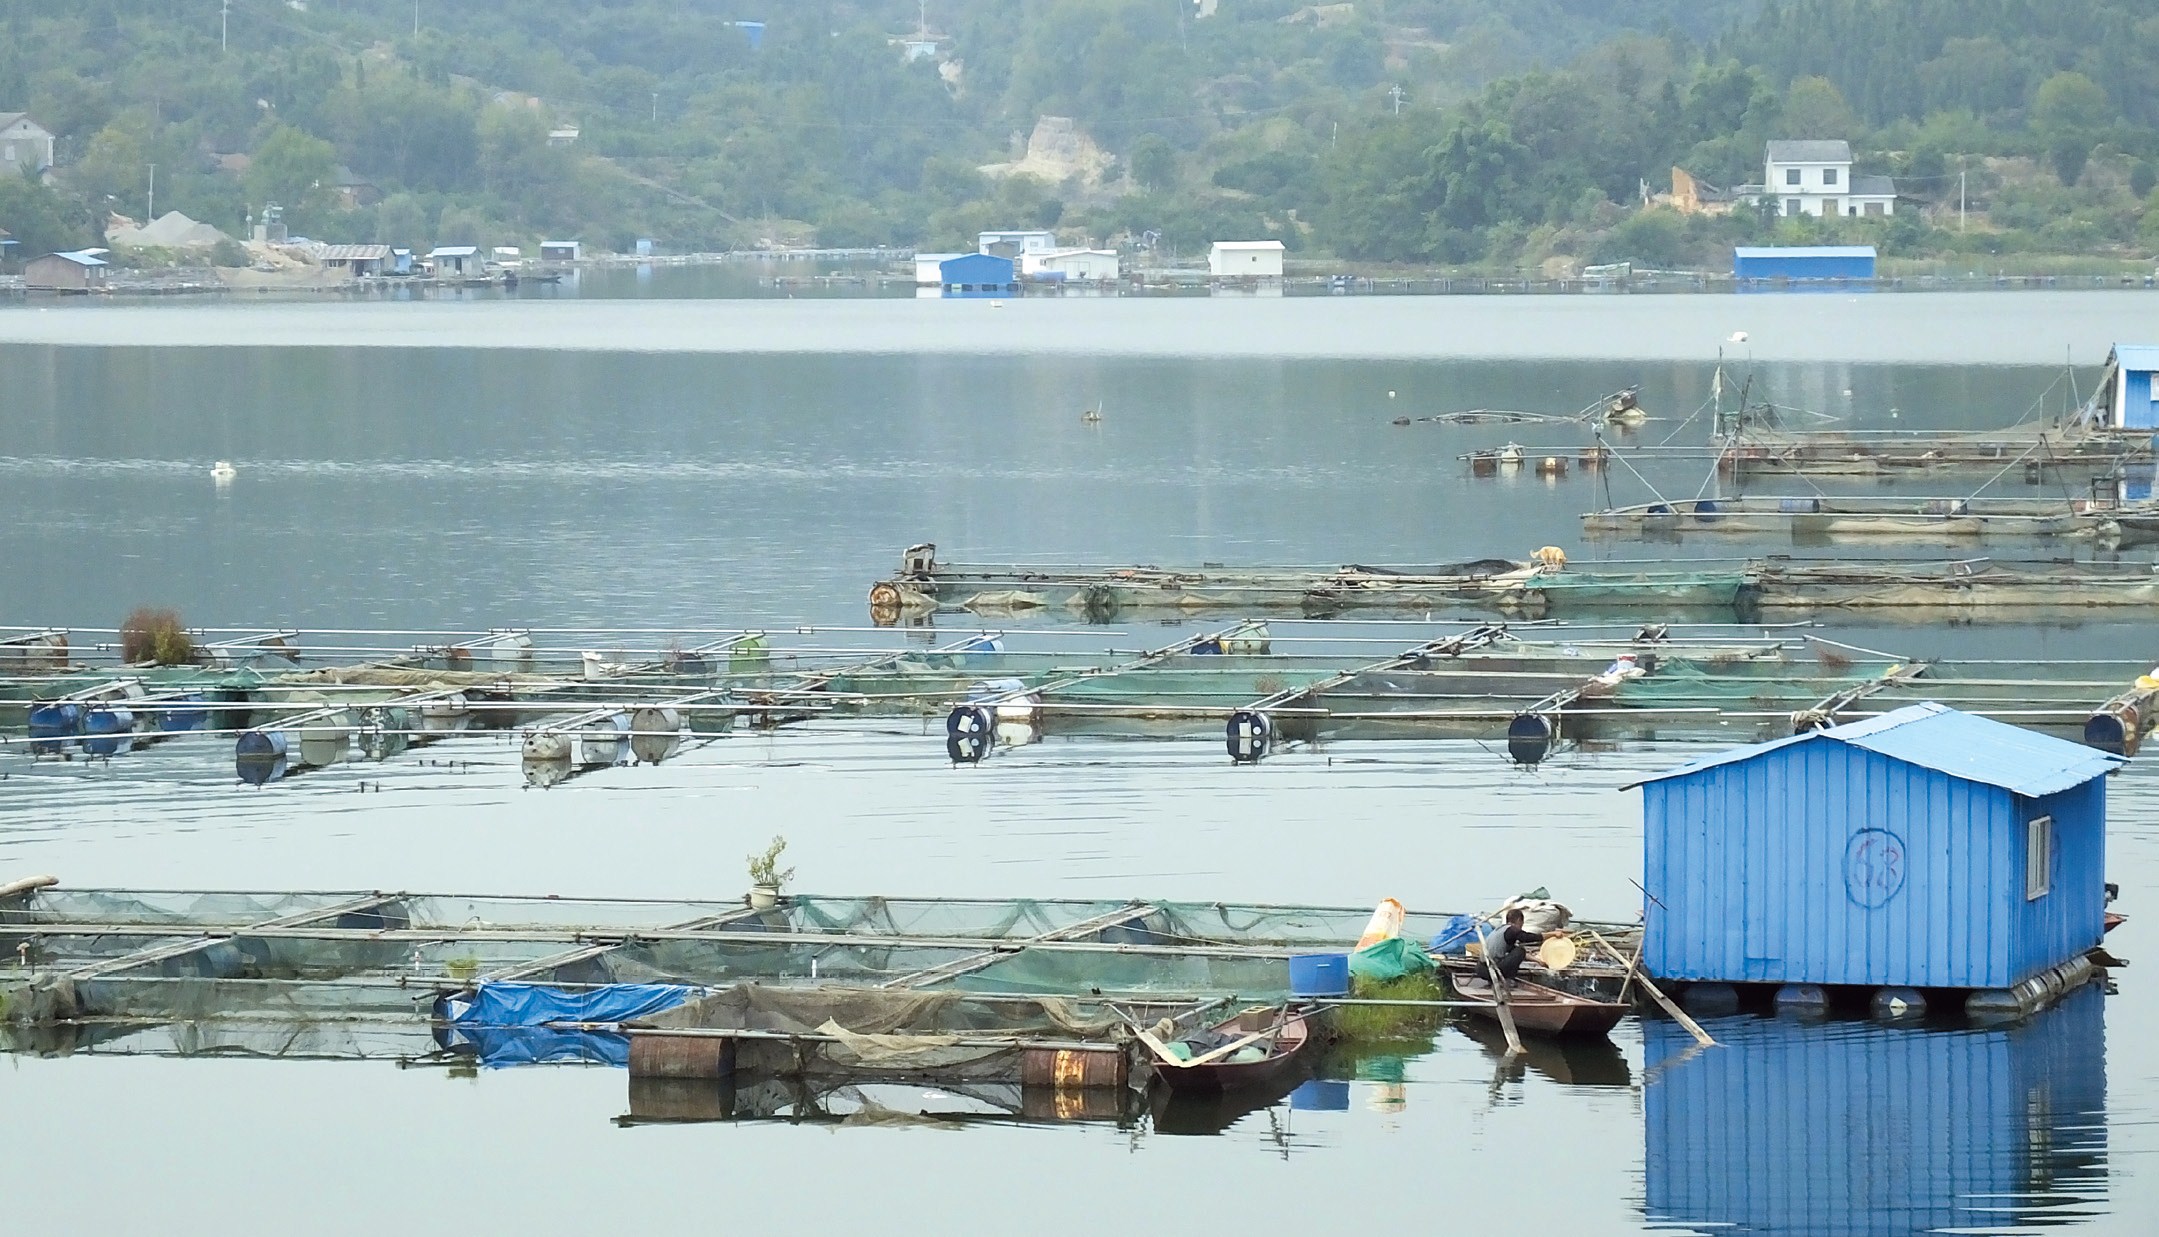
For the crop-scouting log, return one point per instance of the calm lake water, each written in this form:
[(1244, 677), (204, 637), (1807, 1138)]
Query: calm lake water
[(721, 464)]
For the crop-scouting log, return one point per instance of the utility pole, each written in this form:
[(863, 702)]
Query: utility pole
[(1960, 199), (416, 18), (150, 208), (1396, 91), (224, 10), (655, 107)]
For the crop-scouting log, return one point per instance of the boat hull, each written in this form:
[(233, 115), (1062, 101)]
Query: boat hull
[(1540, 1010), (1284, 1061)]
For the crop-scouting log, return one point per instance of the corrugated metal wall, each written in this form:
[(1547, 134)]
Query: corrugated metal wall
[(2072, 917), (2138, 410), (1858, 1128), (1801, 266), (1824, 863)]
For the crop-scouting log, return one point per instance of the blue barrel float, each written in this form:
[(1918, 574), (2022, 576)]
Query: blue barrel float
[(1316, 975), (106, 730), (51, 725), (259, 757), (175, 719)]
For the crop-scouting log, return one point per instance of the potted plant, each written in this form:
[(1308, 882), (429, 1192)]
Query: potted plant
[(766, 876)]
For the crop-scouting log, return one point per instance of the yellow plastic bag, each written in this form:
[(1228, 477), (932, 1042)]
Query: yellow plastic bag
[(1386, 924)]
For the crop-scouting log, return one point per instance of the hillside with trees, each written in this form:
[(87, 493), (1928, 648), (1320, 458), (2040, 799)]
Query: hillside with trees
[(1497, 133)]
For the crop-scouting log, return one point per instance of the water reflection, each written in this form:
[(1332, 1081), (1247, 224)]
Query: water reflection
[(1859, 1128)]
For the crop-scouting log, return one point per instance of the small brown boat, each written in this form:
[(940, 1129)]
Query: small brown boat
[(1221, 1056), (1541, 1010)]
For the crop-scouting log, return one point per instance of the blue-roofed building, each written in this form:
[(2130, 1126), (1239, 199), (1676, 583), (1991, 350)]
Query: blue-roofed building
[(1924, 848), (82, 270), (1801, 262), (979, 274), (2128, 394)]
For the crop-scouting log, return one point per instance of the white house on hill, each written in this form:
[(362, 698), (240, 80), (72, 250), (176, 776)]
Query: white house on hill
[(1815, 178), (25, 145)]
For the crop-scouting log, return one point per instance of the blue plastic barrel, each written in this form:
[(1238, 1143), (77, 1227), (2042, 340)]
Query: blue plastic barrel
[(51, 725), (182, 719), (259, 756), (56, 721), (106, 730), (1319, 975)]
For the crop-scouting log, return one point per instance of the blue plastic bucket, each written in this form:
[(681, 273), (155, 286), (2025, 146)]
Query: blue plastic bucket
[(1319, 975)]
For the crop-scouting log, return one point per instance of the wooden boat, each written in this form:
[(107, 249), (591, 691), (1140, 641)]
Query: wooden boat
[(1281, 1032), (1540, 1010)]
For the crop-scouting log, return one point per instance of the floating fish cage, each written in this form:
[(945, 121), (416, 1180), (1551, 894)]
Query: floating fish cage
[(1259, 686), (1546, 585), (1841, 516), (153, 957)]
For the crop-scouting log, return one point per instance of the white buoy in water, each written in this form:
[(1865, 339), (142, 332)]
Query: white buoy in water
[(1390, 395), (223, 472)]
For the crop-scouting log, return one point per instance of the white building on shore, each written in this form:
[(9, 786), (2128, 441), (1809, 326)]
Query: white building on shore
[(1070, 265), (1245, 260)]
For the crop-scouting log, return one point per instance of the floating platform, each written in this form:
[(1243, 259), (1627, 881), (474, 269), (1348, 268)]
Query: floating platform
[(1096, 594), (1740, 590), (1258, 686), (2031, 455), (1848, 516), (158, 956)]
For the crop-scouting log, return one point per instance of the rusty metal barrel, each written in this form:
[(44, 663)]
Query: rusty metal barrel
[(1072, 1069), (681, 1056), (681, 1099)]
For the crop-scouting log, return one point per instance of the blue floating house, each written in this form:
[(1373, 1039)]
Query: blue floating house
[(1802, 262), (1844, 1128), (2128, 394), (1924, 848), (979, 274)]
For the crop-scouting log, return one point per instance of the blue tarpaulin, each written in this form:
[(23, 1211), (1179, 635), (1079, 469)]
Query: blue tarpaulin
[(509, 1024), (532, 1005), (502, 1047)]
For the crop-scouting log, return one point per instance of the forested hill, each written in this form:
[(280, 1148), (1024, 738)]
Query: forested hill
[(1491, 131)]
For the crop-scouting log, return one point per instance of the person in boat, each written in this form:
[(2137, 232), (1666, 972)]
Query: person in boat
[(1513, 943)]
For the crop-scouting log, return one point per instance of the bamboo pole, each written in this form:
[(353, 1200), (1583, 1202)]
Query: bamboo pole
[(1678, 1015), (1499, 997)]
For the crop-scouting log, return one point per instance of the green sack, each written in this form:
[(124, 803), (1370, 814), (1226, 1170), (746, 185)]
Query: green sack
[(1389, 959)]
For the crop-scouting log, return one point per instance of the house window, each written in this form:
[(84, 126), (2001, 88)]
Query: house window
[(1791, 176), (1791, 206), (1874, 208), (1829, 176), (2038, 857)]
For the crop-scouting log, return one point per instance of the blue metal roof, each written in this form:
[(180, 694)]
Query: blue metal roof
[(1962, 745), (1803, 251), (2137, 356)]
